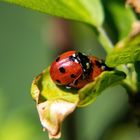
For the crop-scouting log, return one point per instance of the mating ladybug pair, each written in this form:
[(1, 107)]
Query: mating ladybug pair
[(74, 69)]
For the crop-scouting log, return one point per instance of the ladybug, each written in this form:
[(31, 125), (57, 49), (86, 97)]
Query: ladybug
[(69, 67), (74, 69), (98, 66)]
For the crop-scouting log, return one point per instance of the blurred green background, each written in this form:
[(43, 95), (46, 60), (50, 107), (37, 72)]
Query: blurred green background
[(26, 48)]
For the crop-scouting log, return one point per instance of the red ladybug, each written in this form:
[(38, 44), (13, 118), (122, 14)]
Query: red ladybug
[(74, 69), (69, 67), (97, 65)]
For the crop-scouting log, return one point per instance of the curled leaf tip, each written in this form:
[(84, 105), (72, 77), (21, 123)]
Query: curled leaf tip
[(52, 114), (53, 104)]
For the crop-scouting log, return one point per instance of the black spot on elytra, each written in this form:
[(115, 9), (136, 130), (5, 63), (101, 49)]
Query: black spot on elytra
[(57, 59), (58, 81), (62, 70), (73, 76)]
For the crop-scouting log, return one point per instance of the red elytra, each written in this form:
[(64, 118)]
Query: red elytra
[(67, 69), (97, 67), (64, 71)]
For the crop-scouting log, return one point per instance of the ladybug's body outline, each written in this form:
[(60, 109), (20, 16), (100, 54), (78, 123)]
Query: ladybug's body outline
[(74, 69)]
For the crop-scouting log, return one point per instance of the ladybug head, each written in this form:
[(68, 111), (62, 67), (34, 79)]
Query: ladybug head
[(85, 63)]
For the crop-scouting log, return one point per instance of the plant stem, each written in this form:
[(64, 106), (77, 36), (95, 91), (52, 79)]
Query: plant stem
[(105, 40), (108, 46), (131, 84)]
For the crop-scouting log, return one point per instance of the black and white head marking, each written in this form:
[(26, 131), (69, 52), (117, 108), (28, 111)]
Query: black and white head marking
[(85, 63)]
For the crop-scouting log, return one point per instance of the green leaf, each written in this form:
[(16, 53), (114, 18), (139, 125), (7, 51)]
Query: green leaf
[(126, 51), (122, 16), (53, 103), (89, 93), (89, 11), (43, 88)]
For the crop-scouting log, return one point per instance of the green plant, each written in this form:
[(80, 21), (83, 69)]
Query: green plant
[(124, 56)]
